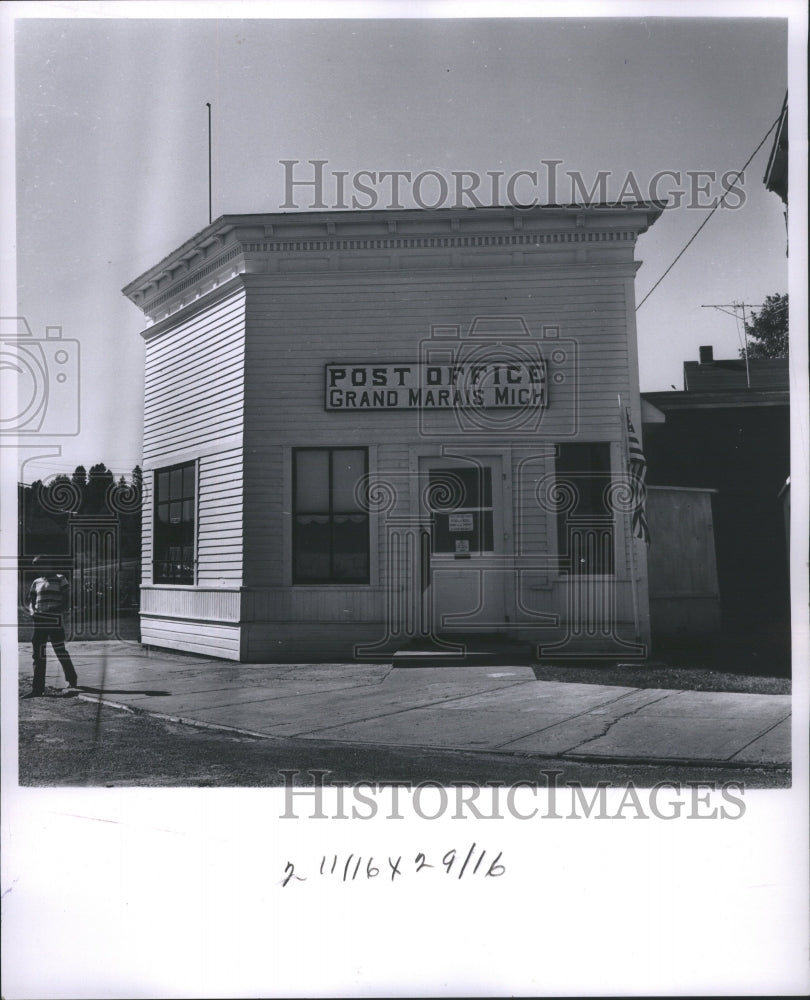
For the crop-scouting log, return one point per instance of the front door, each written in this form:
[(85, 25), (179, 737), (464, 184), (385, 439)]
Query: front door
[(462, 503)]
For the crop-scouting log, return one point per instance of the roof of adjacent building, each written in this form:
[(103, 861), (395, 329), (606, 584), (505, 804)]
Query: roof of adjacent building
[(730, 376), (711, 384), (776, 172)]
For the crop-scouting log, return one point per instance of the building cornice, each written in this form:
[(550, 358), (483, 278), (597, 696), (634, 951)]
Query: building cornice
[(243, 244), (195, 306)]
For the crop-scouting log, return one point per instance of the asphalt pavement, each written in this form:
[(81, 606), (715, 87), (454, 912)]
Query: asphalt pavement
[(491, 709)]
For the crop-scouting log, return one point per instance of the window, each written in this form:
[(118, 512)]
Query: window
[(330, 528), (460, 501), (175, 492), (585, 529)]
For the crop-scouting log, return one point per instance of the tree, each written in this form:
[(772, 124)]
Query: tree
[(131, 517), (99, 480), (45, 512), (767, 331)]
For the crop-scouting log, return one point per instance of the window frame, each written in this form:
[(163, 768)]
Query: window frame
[(157, 578), (331, 580), (608, 519), (485, 512)]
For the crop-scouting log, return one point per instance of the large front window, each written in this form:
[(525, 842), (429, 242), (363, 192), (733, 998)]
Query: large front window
[(175, 505), (330, 526)]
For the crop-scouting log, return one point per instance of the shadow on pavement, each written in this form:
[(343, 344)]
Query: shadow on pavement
[(85, 689)]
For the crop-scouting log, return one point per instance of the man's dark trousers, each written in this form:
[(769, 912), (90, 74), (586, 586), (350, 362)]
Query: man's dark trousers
[(48, 628)]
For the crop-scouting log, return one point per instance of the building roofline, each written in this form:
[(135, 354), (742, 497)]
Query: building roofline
[(218, 230), (695, 399)]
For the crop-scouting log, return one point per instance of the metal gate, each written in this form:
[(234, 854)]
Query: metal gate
[(94, 592)]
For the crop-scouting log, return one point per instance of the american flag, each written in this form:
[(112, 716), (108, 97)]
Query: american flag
[(637, 468)]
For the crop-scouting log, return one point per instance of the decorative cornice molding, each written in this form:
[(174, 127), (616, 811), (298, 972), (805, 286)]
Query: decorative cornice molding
[(200, 274), (451, 242), (345, 244), (303, 232)]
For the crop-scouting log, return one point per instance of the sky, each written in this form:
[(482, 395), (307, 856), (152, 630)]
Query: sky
[(112, 146)]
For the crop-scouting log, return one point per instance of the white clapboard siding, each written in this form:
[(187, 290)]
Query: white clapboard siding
[(194, 383), (192, 603), (204, 638), (147, 515), (194, 396), (266, 499), (532, 523), (293, 332), (326, 642), (297, 323), (220, 531)]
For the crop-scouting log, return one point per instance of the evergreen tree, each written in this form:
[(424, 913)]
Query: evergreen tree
[(99, 481)]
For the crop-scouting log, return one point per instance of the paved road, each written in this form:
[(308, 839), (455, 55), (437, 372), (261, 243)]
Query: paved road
[(73, 742)]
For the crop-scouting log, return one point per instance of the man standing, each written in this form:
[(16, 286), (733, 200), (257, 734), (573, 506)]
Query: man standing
[(48, 603)]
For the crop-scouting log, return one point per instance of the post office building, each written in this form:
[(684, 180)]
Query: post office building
[(364, 431)]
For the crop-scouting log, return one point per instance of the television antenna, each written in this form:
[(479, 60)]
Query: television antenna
[(724, 307)]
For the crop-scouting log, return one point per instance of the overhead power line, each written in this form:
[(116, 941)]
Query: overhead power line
[(719, 204)]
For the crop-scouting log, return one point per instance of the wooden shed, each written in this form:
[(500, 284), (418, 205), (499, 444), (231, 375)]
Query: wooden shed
[(684, 592)]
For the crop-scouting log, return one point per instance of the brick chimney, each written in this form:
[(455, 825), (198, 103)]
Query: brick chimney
[(707, 355)]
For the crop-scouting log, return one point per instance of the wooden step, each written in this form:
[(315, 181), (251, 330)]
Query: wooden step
[(472, 653)]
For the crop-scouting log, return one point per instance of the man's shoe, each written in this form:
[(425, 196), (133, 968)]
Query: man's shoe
[(34, 694), (72, 688)]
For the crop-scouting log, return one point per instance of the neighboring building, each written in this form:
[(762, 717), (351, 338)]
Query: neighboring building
[(776, 172), (363, 429), (729, 431)]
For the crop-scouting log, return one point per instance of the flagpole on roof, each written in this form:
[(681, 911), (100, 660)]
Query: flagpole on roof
[(210, 215)]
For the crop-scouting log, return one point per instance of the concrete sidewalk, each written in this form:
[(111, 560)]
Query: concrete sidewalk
[(501, 709)]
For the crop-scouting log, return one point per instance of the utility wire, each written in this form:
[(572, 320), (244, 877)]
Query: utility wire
[(718, 205)]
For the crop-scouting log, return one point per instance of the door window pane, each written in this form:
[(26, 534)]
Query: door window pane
[(460, 501)]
